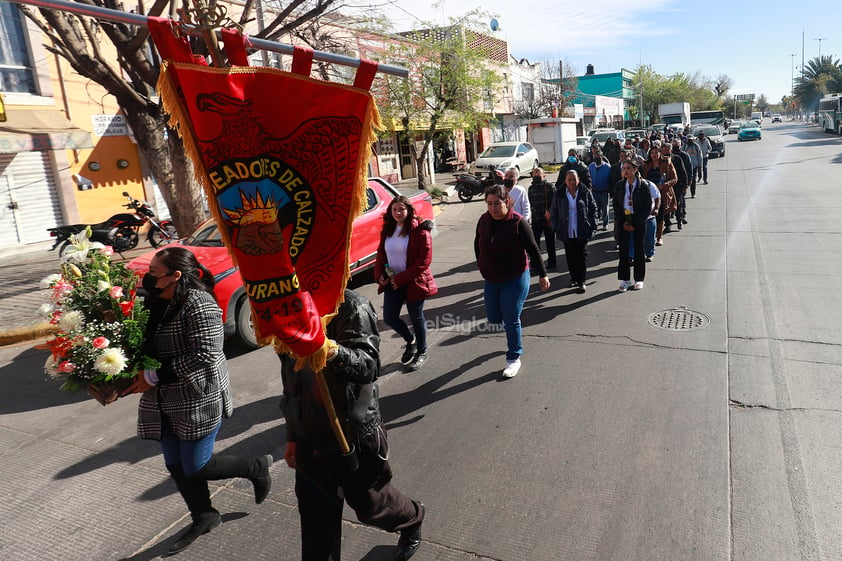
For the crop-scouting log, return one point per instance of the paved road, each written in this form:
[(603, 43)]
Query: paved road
[(617, 442)]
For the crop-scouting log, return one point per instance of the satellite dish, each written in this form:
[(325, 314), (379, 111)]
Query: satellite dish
[(495, 25)]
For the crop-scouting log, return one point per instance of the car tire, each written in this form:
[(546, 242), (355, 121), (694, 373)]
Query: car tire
[(244, 334), (517, 170)]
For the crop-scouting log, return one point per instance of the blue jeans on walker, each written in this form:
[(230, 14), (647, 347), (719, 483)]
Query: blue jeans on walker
[(503, 303), (393, 301), (648, 239), (191, 454), (651, 228)]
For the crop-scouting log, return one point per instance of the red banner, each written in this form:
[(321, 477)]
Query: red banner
[(283, 160)]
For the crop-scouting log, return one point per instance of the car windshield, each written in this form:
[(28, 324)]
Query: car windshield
[(206, 235), (751, 125), (498, 152), (603, 136), (709, 131)]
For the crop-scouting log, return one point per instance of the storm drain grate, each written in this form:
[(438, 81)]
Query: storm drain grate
[(679, 319)]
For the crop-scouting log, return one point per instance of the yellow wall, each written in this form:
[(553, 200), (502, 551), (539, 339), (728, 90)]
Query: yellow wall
[(83, 98)]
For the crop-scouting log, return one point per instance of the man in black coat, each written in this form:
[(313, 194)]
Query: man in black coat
[(681, 213), (323, 475), (574, 164)]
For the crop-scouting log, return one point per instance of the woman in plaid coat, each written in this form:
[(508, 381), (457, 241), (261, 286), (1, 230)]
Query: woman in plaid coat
[(184, 400)]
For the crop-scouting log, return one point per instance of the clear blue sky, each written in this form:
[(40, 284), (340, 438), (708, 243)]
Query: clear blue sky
[(749, 41)]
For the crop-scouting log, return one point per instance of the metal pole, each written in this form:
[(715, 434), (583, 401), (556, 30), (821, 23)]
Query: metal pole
[(141, 21)]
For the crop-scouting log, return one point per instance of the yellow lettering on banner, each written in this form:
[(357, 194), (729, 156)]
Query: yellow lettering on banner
[(261, 291)]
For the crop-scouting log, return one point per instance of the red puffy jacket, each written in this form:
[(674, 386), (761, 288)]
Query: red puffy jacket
[(419, 254)]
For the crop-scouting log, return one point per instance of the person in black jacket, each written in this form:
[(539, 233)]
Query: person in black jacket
[(574, 224), (574, 164), (541, 195), (635, 200), (321, 471), (681, 194)]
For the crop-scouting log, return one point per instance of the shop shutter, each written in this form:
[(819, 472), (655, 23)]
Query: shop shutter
[(28, 184)]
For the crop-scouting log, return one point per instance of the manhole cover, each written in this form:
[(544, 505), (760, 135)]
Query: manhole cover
[(679, 319)]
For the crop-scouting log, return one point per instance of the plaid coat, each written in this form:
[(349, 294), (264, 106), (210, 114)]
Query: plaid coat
[(190, 350)]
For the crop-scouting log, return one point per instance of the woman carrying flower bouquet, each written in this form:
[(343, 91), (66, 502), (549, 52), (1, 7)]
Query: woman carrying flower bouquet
[(185, 399)]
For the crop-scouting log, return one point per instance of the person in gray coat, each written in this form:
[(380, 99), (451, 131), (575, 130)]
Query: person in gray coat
[(186, 398)]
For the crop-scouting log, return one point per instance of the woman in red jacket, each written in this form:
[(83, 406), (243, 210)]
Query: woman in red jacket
[(402, 270)]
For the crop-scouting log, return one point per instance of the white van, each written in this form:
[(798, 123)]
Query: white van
[(757, 116)]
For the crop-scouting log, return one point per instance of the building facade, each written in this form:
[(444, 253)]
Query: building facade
[(606, 98)]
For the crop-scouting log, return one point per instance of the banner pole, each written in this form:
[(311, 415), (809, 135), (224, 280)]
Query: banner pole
[(138, 20)]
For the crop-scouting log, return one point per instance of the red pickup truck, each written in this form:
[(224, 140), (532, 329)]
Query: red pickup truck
[(206, 243)]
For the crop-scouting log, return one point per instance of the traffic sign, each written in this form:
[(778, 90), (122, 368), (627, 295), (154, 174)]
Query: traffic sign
[(740, 97)]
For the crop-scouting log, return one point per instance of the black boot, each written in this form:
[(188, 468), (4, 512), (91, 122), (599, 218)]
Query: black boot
[(196, 495), (410, 539), (255, 470)]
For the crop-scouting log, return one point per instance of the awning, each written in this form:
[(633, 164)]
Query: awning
[(37, 130)]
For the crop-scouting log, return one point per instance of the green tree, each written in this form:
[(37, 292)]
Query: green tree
[(821, 76), (701, 93), (131, 80), (453, 80)]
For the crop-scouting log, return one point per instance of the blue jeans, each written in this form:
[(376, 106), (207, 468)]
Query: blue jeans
[(651, 228), (393, 301), (601, 198), (503, 303), (191, 454)]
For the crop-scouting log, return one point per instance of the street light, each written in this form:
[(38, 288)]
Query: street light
[(820, 47)]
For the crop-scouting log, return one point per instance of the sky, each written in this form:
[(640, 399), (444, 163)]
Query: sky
[(752, 42)]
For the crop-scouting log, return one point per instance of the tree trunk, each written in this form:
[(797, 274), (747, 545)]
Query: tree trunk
[(172, 170)]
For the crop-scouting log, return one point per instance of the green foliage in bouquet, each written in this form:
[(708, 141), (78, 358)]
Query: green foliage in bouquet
[(101, 325)]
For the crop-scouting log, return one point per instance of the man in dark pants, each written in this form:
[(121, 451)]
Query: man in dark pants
[(681, 194), (321, 471), (540, 198), (634, 202)]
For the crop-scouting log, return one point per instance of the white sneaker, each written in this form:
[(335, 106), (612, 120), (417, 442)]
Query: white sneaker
[(638, 285), (512, 367), (624, 286)]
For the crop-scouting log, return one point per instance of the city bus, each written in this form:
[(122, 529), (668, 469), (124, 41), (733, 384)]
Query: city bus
[(707, 118), (830, 113)]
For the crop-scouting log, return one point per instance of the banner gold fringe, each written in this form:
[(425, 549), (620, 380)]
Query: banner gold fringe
[(180, 121)]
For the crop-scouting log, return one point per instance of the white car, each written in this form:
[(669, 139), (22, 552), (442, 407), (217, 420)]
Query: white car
[(734, 127), (504, 155)]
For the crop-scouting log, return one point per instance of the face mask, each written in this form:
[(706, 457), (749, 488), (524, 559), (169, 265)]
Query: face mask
[(150, 285), (509, 183), (572, 159)]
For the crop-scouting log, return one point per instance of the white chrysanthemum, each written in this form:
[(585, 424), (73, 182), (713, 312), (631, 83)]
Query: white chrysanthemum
[(111, 362), (71, 321), (51, 367), (102, 286), (46, 310), (49, 280)]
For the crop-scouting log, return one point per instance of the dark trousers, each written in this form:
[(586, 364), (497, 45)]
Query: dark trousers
[(541, 226), (635, 238), (576, 253), (368, 490), (393, 301), (703, 174)]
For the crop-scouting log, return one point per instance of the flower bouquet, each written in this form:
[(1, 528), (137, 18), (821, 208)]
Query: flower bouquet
[(100, 329)]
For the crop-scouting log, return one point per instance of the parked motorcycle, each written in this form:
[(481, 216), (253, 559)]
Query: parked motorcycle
[(469, 186), (121, 231)]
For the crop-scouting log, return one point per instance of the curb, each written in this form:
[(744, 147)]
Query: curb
[(25, 334)]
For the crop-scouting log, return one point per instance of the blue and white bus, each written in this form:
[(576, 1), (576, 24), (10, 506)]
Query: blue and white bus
[(830, 113)]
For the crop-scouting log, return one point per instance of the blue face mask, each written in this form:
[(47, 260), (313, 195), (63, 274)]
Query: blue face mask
[(572, 159)]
